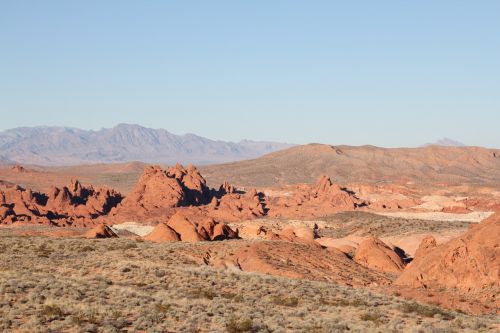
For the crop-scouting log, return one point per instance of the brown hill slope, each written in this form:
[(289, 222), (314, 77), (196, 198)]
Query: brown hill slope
[(304, 164)]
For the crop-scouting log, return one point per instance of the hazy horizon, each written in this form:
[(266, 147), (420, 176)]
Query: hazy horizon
[(445, 141), (390, 73)]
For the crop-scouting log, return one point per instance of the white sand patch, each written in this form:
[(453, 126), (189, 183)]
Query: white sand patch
[(438, 202), (473, 217), (134, 227)]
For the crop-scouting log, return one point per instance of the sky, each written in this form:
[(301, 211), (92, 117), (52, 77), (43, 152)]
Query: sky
[(387, 73)]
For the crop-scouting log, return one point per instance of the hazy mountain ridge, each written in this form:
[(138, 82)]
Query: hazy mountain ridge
[(446, 142), (46, 145)]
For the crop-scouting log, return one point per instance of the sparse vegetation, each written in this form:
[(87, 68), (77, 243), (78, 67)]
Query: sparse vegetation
[(426, 311), (159, 287), (363, 223)]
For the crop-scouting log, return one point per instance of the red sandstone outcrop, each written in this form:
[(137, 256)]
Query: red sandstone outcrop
[(190, 227), (160, 193), (426, 245), (162, 233), (237, 207), (468, 263), (100, 231), (374, 253), (320, 199), (291, 259), (61, 206)]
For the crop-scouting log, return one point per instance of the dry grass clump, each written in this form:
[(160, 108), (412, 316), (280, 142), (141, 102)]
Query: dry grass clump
[(115, 285), (426, 311), (238, 325)]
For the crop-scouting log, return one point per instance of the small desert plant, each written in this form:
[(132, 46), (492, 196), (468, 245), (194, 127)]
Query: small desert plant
[(426, 311), (237, 325), (371, 316), (87, 248), (162, 308), (203, 293), (285, 301), (52, 311)]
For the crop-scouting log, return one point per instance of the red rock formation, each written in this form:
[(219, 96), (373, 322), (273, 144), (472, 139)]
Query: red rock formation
[(158, 192), (456, 210), (100, 231), (193, 184), (192, 227), (66, 206), (321, 199), (290, 259), (374, 253), (426, 245), (162, 233), (237, 207), (467, 263)]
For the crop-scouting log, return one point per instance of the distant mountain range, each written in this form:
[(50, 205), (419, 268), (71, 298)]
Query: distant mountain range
[(49, 146)]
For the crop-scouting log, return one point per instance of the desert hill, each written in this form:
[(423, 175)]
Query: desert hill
[(367, 164), (71, 146)]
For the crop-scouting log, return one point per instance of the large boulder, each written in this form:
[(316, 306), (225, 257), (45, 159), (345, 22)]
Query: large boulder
[(196, 227), (375, 254), (186, 229), (162, 233)]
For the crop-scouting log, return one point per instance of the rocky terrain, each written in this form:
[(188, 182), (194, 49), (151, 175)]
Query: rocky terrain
[(59, 146), (393, 257)]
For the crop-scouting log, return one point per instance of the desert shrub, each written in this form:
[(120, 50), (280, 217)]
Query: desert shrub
[(285, 301), (372, 316), (237, 325), (343, 302), (426, 311), (203, 293), (162, 308), (52, 311), (43, 251), (87, 248)]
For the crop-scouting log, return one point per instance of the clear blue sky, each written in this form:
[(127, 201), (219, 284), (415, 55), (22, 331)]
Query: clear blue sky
[(389, 73)]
